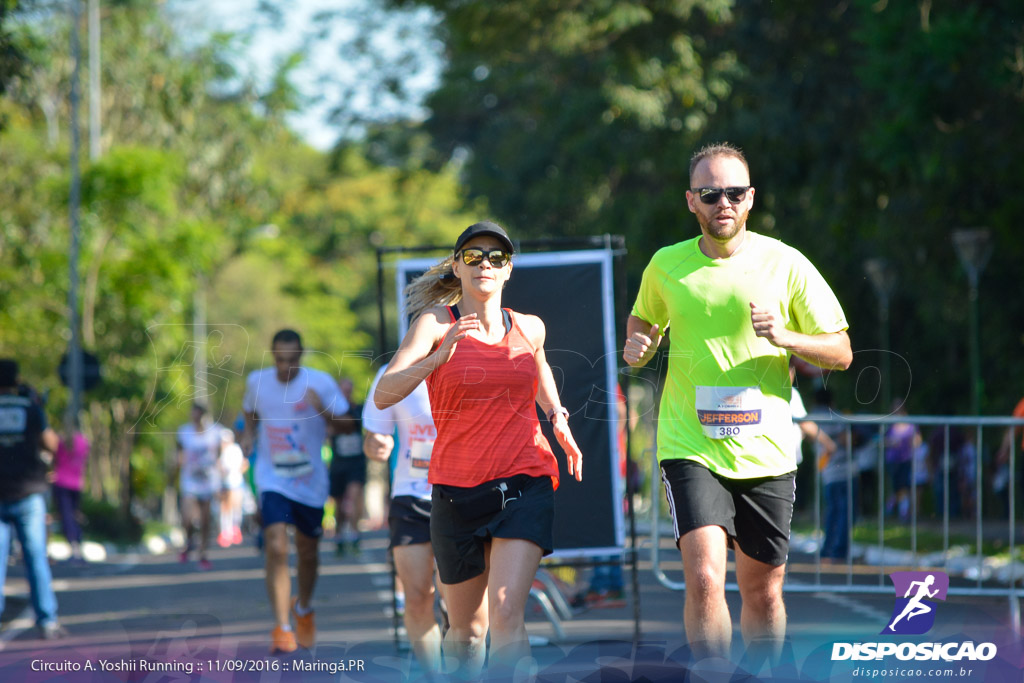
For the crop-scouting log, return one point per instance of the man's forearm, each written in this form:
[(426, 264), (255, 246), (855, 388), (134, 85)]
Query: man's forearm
[(828, 351)]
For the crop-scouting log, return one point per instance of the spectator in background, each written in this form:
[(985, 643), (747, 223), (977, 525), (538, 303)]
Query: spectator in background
[(805, 430), (348, 475), (922, 472), (902, 440), (1001, 478), (23, 432), (833, 460), (1018, 412), (866, 455), (959, 470), (68, 477)]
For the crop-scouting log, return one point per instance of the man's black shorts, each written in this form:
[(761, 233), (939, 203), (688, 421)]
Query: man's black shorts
[(458, 538), (755, 513), (409, 520), (345, 471)]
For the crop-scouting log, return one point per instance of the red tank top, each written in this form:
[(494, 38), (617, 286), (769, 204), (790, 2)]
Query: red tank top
[(484, 405)]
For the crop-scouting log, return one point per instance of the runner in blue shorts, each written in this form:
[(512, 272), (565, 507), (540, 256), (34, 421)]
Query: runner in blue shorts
[(291, 406)]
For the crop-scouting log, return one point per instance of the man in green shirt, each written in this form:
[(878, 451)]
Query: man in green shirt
[(739, 305)]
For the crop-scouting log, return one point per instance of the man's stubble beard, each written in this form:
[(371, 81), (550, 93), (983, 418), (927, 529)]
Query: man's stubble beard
[(722, 234)]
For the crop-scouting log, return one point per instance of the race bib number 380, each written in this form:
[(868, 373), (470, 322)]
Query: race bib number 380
[(730, 412)]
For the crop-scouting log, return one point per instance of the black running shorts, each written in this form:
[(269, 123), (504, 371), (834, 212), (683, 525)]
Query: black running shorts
[(345, 471), (462, 520), (409, 520), (755, 513)]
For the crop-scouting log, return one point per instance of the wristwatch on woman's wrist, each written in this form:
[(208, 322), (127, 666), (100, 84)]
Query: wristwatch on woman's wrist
[(558, 411)]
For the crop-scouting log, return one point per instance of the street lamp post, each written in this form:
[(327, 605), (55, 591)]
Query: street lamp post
[(75, 346), (199, 333), (883, 280), (94, 80), (974, 247)]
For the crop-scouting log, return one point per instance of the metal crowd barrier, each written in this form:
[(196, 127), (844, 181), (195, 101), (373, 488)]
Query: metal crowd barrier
[(848, 423)]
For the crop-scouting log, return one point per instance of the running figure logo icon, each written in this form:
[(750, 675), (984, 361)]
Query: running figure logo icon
[(913, 614)]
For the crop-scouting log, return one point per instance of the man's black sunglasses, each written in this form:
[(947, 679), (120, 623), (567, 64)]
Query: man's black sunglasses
[(472, 256), (711, 195)]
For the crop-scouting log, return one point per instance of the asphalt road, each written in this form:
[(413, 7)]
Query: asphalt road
[(153, 619)]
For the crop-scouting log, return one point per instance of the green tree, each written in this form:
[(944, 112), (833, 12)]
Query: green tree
[(12, 50), (577, 116), (202, 198), (873, 129)]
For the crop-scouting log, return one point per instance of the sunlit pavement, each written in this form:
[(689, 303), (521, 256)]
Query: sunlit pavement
[(153, 618)]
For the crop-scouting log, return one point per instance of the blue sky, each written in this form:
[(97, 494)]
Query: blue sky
[(327, 79)]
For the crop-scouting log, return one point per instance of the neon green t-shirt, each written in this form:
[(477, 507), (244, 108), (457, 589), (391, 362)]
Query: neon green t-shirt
[(726, 399)]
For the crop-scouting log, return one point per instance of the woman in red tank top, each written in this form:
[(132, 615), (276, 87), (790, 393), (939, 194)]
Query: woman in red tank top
[(493, 471)]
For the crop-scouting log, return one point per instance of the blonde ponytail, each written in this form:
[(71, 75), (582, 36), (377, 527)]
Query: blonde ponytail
[(436, 287)]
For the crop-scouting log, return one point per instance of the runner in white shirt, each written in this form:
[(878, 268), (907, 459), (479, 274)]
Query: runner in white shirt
[(198, 450), (291, 405), (409, 516)]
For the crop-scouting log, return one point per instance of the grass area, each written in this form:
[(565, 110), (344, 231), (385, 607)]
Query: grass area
[(106, 522), (929, 538), (155, 528)]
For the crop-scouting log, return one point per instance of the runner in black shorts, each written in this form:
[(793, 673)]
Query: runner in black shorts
[(408, 521), (740, 304), (347, 476), (409, 514)]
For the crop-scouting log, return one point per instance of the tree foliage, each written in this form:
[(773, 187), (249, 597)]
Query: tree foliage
[(874, 129), (14, 59), (202, 203)]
